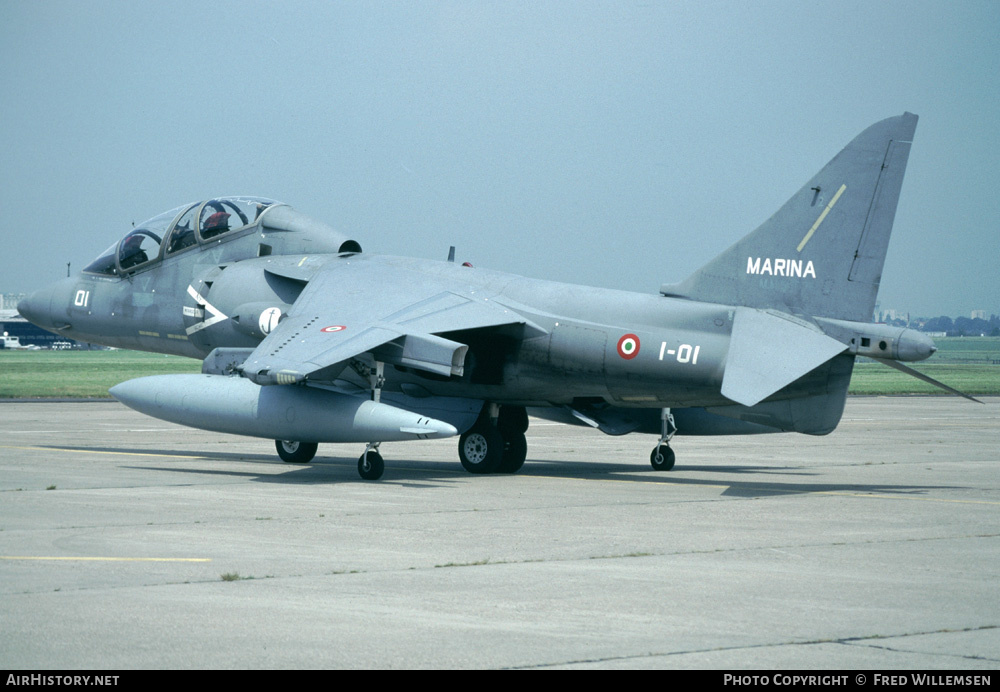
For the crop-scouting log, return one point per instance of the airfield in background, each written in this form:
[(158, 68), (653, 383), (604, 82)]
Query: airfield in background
[(970, 364), (128, 542)]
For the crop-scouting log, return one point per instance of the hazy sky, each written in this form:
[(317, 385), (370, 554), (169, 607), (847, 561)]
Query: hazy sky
[(619, 144)]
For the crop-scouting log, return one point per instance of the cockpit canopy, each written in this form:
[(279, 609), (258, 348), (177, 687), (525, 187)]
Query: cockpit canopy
[(177, 230)]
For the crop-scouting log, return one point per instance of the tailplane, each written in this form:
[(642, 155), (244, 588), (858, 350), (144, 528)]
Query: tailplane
[(822, 253)]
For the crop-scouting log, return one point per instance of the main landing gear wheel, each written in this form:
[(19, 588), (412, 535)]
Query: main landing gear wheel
[(481, 448), (512, 420), (515, 451), (293, 452), (662, 458), (370, 465)]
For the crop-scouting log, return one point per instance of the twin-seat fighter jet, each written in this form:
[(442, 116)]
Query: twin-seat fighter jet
[(305, 338)]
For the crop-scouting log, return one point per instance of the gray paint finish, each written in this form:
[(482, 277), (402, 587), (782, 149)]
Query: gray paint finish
[(762, 338)]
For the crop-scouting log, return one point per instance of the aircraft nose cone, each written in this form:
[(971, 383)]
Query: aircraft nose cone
[(47, 307), (36, 307)]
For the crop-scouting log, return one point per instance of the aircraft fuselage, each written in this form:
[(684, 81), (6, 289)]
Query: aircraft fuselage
[(305, 338), (668, 351)]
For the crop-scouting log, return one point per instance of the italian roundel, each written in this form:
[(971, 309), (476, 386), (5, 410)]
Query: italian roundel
[(628, 346)]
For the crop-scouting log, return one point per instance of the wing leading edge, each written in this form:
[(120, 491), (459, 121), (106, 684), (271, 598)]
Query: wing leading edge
[(338, 317)]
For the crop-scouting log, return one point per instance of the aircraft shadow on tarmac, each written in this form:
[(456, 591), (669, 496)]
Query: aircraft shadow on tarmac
[(424, 473)]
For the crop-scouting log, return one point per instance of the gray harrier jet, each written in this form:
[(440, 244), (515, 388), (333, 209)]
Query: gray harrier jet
[(305, 338)]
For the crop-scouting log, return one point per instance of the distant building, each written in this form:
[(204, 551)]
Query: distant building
[(980, 315), (891, 315), (12, 324), (9, 301)]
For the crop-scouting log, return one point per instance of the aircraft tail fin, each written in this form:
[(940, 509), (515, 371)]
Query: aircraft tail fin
[(822, 253)]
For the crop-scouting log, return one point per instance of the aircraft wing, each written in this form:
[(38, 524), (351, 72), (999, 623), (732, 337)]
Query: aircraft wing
[(359, 305)]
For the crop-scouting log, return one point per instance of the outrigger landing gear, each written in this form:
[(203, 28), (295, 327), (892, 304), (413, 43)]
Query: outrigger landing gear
[(662, 457), (496, 443), (370, 465)]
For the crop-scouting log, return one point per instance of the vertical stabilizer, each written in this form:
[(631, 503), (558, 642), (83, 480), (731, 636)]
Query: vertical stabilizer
[(822, 253)]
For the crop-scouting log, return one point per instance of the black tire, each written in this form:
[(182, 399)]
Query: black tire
[(662, 458), (481, 449), (513, 420), (371, 466), (293, 452), (515, 451)]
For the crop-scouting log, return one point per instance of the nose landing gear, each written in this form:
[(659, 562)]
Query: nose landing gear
[(370, 465)]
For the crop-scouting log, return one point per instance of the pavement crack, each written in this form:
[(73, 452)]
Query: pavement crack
[(860, 640), (869, 642)]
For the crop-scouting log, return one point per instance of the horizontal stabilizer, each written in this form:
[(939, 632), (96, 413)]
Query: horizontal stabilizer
[(768, 351)]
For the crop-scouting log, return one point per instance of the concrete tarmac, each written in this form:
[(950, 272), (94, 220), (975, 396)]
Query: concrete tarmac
[(127, 542)]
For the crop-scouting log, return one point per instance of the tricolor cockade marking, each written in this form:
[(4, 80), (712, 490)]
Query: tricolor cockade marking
[(628, 346)]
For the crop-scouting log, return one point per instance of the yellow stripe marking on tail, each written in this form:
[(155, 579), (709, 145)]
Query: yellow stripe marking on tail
[(821, 217)]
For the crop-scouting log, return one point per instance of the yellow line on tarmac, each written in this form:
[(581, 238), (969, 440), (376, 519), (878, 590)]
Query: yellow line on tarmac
[(108, 559), (907, 497), (97, 451)]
